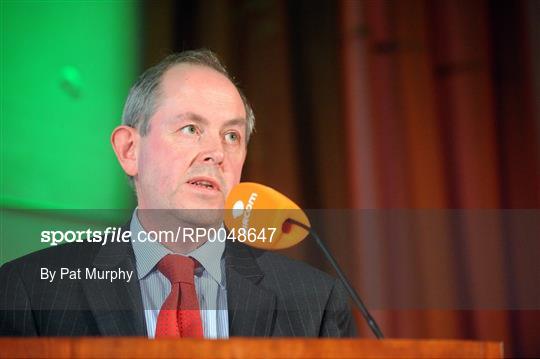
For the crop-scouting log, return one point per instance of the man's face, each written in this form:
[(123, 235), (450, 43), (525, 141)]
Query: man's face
[(195, 148)]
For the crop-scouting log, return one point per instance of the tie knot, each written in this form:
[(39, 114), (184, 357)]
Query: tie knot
[(177, 268)]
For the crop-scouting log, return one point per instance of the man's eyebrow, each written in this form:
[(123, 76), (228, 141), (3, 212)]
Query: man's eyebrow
[(235, 122), (192, 117)]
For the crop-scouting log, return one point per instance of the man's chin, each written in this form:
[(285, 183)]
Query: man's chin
[(201, 212), (202, 204)]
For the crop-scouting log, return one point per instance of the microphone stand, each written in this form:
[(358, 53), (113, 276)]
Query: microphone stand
[(356, 298)]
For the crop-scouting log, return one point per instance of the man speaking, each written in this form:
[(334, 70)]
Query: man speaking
[(183, 143)]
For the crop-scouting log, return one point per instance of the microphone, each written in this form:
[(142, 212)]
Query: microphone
[(255, 207)]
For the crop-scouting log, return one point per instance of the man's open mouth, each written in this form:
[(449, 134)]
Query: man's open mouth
[(206, 183)]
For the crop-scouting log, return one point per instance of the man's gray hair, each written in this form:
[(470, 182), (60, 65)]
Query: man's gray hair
[(143, 97)]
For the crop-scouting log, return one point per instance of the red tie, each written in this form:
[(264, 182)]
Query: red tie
[(179, 315)]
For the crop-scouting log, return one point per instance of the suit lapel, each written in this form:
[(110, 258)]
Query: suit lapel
[(251, 306), (117, 306)]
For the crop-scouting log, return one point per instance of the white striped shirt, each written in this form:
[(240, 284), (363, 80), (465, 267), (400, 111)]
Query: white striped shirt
[(210, 283)]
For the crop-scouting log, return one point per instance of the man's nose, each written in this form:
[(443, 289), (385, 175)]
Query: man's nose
[(212, 151)]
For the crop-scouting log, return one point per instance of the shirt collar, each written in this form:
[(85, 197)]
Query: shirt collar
[(148, 254)]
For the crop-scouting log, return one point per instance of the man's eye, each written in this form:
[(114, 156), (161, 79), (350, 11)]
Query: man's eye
[(232, 137), (189, 130)]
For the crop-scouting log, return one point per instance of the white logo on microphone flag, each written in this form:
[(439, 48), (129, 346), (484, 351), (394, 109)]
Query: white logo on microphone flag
[(238, 209)]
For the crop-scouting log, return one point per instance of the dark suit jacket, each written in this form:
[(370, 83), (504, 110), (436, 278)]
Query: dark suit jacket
[(267, 293)]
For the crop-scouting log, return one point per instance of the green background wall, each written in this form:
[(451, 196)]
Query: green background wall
[(66, 68)]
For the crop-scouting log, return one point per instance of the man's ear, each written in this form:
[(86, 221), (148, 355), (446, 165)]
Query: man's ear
[(125, 143)]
